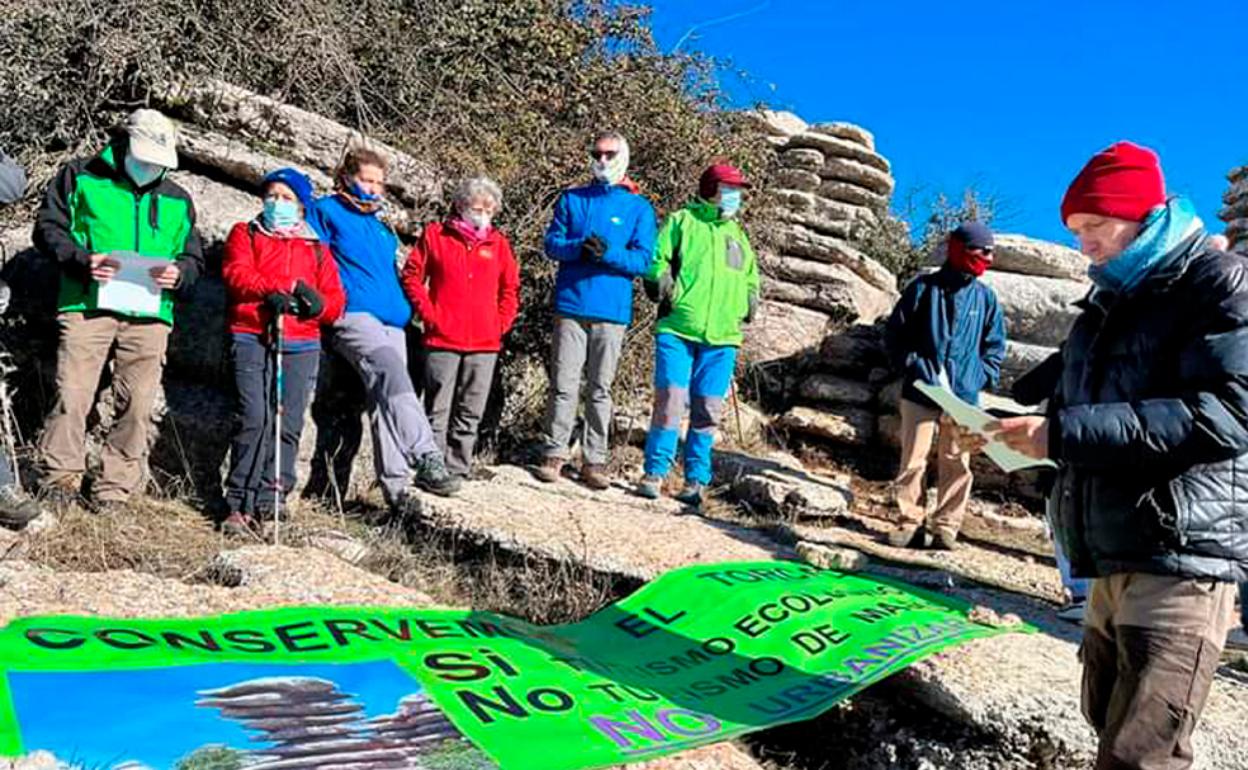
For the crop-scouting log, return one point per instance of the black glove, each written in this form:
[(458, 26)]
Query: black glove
[(753, 308), (308, 303), (279, 302), (593, 249)]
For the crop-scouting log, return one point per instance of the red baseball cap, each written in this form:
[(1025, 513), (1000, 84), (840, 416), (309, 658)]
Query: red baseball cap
[(717, 174)]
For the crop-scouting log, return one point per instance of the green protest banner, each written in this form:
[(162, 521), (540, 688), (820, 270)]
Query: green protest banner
[(697, 656)]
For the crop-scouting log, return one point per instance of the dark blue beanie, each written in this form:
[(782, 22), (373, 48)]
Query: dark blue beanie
[(296, 180), (975, 235)]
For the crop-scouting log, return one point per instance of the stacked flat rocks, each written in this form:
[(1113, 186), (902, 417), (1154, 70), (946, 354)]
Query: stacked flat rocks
[(831, 191), (308, 723), (1235, 212)]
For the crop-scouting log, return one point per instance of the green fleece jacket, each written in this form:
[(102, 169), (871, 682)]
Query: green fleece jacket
[(714, 275), (92, 207)]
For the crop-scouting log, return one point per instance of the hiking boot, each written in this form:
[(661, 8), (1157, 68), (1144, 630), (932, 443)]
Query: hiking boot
[(912, 536), (240, 525), (1073, 613), (595, 476), (107, 507), (432, 476), (550, 470), (406, 506), (650, 487), (17, 509), (691, 495), (944, 540), (61, 497)]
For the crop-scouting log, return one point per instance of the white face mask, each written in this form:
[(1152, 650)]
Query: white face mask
[(478, 219), (141, 172), (611, 171)]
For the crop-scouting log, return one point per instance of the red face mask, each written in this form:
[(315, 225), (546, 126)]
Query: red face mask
[(966, 261)]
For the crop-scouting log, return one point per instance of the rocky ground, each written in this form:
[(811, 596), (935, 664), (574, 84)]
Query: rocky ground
[(1006, 702)]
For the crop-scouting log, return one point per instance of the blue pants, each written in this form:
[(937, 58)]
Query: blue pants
[(687, 375)]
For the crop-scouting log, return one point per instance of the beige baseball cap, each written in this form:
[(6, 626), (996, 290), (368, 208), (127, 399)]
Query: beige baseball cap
[(153, 139)]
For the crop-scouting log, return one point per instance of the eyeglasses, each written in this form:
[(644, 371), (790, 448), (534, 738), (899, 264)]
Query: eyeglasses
[(980, 249), (603, 154)]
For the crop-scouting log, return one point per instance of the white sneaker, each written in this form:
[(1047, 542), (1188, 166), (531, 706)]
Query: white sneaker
[(1073, 612), (1237, 639)]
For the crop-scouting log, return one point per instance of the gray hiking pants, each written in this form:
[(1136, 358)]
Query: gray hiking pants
[(401, 432), (457, 387), (593, 347)]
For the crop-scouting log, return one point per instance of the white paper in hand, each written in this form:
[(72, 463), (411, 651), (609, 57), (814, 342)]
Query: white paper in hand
[(973, 418), (132, 290)]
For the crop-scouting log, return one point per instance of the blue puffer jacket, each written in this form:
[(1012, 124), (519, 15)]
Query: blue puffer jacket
[(947, 320), (1149, 424), (366, 252), (625, 220)]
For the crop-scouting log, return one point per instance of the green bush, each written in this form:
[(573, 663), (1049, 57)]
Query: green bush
[(513, 89)]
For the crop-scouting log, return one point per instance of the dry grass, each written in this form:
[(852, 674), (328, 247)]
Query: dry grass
[(173, 540)]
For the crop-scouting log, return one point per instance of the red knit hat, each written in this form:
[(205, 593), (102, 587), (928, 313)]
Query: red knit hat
[(716, 174), (1122, 181)]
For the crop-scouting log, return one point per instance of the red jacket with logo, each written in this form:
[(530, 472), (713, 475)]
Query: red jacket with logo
[(258, 263), (466, 291)]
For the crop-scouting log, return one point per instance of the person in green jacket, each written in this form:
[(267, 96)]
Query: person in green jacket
[(114, 218), (705, 278)]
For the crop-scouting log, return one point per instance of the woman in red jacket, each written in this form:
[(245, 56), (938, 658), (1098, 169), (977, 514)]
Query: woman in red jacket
[(276, 271), (464, 283)]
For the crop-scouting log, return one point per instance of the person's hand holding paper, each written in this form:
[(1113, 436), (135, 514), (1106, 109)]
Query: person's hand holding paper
[(104, 267), (166, 276), (1013, 443), (1027, 435)]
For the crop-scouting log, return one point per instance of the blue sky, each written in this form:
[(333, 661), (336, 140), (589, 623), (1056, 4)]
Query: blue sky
[(153, 718), (1011, 97)]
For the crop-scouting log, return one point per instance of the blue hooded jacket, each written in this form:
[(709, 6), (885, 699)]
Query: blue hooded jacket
[(625, 221), (366, 253), (947, 320)]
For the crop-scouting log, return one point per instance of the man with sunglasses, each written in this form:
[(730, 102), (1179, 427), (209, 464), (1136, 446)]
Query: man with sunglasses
[(602, 237), (947, 329)]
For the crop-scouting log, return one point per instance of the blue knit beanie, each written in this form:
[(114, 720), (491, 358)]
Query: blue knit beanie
[(296, 180)]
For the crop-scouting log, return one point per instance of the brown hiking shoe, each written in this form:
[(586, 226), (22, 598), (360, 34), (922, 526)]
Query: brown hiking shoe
[(595, 476), (550, 470), (945, 540), (907, 536)]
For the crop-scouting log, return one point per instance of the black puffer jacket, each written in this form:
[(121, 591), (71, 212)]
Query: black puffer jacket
[(1149, 424)]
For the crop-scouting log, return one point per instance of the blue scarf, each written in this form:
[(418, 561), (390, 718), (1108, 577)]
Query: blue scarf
[(1162, 231)]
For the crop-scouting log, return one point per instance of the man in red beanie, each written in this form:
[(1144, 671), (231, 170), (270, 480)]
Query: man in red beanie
[(1148, 423), (947, 328)]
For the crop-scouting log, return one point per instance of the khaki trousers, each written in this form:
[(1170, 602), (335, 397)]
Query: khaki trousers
[(1150, 649), (138, 348), (919, 426)]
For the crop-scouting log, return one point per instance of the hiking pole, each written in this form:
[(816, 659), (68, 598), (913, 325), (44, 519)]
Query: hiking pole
[(278, 411), (736, 409)]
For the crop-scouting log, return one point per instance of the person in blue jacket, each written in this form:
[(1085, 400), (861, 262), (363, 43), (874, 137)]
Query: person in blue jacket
[(372, 332), (947, 329), (602, 236)]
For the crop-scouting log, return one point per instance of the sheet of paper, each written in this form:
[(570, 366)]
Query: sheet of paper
[(132, 289), (974, 418)]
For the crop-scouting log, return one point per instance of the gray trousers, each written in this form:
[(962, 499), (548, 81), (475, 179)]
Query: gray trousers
[(457, 387), (580, 346), (401, 431)]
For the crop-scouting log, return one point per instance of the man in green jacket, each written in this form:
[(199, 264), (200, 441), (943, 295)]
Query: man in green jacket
[(705, 277), (114, 218)]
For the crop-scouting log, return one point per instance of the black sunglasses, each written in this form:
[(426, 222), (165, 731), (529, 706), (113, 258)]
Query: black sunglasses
[(980, 249), (603, 154)]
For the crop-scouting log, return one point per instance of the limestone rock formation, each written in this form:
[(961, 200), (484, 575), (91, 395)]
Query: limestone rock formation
[(308, 723), (1235, 212), (1038, 310)]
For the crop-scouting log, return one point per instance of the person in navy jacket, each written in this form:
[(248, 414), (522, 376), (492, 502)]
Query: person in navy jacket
[(948, 329), (602, 236)]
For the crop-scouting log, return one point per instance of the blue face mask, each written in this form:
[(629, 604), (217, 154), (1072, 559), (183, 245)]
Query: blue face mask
[(729, 201), (358, 192), (280, 214)]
